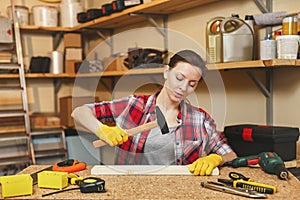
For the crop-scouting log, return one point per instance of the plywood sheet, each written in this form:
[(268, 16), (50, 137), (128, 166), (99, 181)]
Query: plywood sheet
[(143, 170)]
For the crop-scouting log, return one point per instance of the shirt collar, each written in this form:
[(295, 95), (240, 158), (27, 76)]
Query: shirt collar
[(150, 106)]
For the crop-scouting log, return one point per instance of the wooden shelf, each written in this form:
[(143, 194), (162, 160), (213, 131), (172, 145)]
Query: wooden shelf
[(145, 71), (46, 29), (122, 19), (255, 64)]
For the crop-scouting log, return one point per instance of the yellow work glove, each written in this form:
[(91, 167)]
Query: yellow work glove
[(113, 135), (205, 165)]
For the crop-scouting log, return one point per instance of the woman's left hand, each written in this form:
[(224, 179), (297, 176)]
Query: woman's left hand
[(205, 165)]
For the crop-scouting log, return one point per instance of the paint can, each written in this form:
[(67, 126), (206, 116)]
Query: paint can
[(267, 49), (22, 14), (45, 15), (289, 25), (287, 46)]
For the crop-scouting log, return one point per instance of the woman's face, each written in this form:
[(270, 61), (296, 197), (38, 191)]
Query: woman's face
[(181, 80)]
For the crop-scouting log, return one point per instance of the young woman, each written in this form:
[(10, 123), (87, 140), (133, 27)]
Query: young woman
[(192, 138)]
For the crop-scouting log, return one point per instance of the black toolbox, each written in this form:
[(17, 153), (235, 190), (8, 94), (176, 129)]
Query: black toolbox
[(249, 139)]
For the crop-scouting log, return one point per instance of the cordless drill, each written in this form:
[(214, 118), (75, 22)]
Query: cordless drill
[(270, 163)]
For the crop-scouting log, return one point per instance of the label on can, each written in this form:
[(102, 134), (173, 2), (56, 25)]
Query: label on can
[(289, 25), (267, 49)]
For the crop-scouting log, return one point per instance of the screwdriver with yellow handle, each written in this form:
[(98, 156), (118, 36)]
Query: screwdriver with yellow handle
[(259, 187)]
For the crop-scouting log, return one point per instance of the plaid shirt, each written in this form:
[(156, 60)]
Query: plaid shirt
[(195, 136)]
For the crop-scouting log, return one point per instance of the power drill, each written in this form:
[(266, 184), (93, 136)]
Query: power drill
[(270, 163)]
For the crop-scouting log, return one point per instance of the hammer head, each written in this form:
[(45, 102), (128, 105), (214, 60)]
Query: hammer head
[(161, 121)]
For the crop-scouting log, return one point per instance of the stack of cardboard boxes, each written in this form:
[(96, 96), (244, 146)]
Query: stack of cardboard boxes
[(67, 105), (73, 51)]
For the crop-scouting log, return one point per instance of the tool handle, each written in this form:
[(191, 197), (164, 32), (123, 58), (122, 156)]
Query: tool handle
[(259, 187), (130, 132), (238, 176)]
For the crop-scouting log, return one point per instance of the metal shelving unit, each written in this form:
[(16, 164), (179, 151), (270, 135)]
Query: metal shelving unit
[(51, 143), (16, 147)]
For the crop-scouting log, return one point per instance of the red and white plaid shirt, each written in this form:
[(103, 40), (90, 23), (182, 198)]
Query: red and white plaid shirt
[(195, 136)]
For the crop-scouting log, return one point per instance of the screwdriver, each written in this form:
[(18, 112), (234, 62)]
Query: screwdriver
[(259, 187)]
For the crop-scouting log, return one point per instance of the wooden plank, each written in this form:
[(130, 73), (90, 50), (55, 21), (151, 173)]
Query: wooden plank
[(236, 65), (292, 164), (145, 71), (45, 29), (12, 129), (123, 18), (143, 170)]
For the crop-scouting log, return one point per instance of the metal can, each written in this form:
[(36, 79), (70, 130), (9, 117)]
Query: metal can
[(289, 25)]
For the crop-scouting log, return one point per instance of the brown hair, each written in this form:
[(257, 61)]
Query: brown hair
[(190, 57)]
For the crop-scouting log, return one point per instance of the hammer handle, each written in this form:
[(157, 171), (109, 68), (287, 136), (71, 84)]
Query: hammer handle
[(130, 132)]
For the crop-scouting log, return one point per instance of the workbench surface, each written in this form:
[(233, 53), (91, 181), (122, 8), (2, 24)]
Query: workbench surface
[(168, 187)]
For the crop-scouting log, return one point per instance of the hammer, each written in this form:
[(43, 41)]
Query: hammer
[(159, 122)]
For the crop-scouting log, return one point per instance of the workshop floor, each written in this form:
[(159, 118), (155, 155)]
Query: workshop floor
[(295, 172)]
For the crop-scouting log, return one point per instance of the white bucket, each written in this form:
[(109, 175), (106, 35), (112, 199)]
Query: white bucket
[(22, 14), (56, 66), (68, 14), (45, 15), (287, 46)]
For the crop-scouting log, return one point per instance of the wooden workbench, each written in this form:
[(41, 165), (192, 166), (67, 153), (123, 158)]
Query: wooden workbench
[(168, 187)]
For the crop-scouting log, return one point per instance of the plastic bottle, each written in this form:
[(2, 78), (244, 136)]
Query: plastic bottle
[(275, 34), (250, 21)]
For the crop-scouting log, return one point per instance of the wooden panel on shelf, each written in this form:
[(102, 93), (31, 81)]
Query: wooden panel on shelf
[(143, 71), (38, 75), (282, 62), (46, 29), (216, 66), (123, 18), (236, 65), (255, 64), (173, 6)]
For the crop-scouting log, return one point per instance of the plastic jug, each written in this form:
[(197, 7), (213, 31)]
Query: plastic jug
[(237, 40), (214, 40)]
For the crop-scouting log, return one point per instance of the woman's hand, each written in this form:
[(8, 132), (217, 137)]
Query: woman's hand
[(113, 135), (205, 165)]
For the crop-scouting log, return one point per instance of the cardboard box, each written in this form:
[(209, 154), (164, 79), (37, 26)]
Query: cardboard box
[(70, 66), (72, 40), (44, 120), (248, 139), (67, 105), (114, 64), (72, 53)]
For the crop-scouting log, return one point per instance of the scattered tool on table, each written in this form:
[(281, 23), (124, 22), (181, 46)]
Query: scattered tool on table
[(16, 185), (86, 185), (238, 176), (159, 122), (240, 181), (53, 180), (270, 163), (70, 165), (228, 189)]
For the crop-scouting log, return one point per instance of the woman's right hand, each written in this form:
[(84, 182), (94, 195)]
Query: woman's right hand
[(113, 135)]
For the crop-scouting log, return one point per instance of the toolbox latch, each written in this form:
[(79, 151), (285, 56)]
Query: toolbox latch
[(247, 134)]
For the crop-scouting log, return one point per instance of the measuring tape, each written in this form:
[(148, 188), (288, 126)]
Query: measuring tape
[(86, 185), (92, 184)]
